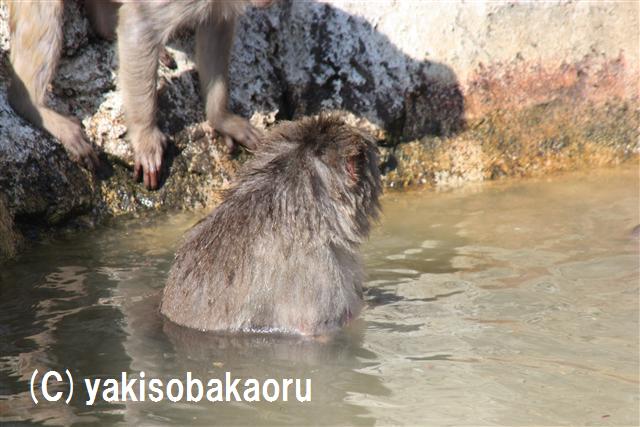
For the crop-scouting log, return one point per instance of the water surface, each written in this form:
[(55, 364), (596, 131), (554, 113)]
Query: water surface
[(502, 304)]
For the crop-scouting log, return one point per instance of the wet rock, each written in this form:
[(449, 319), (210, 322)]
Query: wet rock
[(9, 238), (537, 141)]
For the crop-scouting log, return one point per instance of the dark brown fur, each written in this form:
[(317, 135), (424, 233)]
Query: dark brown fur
[(142, 27), (280, 253)]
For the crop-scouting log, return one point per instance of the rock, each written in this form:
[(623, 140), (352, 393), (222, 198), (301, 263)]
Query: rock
[(531, 142), (446, 89), (9, 238)]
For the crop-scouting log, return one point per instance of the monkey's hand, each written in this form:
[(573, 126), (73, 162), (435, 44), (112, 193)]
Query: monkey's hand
[(235, 129), (69, 132), (149, 147)]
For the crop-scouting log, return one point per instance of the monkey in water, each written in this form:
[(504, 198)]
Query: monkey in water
[(142, 28), (280, 253)]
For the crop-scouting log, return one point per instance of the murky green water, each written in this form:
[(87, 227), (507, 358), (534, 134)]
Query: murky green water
[(509, 303)]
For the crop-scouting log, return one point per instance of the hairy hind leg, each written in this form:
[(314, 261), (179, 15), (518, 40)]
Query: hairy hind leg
[(213, 49), (138, 51), (36, 41)]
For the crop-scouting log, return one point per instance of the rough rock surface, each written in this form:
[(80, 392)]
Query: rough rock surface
[(9, 238), (454, 92)]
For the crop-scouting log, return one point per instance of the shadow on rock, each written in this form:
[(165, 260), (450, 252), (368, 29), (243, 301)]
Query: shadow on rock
[(293, 59), (323, 58)]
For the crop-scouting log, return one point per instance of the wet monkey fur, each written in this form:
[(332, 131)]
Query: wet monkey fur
[(141, 29), (280, 253)]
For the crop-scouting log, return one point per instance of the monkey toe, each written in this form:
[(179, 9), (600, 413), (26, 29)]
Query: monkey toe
[(255, 136), (151, 178), (240, 131), (250, 138), (149, 173), (146, 179), (231, 145), (155, 170), (90, 163), (80, 150), (149, 149), (83, 153), (149, 169), (93, 161)]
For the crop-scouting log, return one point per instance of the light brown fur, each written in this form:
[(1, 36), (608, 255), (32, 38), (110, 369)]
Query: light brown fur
[(142, 29), (35, 49)]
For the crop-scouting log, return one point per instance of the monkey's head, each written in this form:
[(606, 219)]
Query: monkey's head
[(323, 175)]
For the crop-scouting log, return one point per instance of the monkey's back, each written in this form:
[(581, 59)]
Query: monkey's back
[(241, 278), (280, 253)]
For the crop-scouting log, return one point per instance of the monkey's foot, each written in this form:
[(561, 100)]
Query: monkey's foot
[(234, 129), (69, 132), (149, 147)]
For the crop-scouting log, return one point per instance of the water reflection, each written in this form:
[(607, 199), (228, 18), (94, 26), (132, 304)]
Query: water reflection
[(513, 304)]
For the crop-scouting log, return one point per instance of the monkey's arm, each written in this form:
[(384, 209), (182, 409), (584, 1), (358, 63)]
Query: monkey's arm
[(213, 48), (138, 50)]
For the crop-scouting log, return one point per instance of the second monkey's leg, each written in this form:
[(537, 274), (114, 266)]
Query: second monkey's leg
[(103, 16), (138, 48), (213, 48)]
